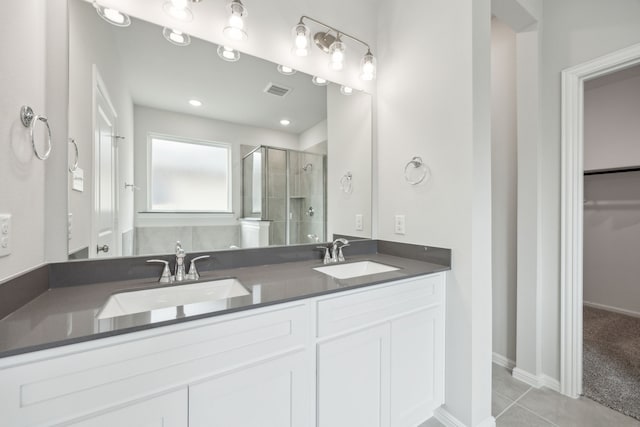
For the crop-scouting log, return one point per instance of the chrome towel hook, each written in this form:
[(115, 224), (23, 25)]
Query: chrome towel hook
[(416, 171), (29, 120), (75, 163), (346, 183)]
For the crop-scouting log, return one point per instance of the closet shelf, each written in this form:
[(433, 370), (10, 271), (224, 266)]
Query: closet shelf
[(612, 170)]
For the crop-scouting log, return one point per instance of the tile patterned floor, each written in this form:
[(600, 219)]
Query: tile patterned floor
[(515, 404)]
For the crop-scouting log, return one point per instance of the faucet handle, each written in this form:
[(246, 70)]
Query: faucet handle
[(340, 255), (193, 272), (166, 272), (179, 251), (327, 254)]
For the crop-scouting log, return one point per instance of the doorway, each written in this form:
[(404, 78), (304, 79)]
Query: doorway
[(572, 209)]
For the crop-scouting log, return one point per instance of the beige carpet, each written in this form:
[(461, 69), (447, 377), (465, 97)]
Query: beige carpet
[(611, 359)]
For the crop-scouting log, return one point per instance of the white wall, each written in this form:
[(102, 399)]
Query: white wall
[(611, 125), (22, 82), (92, 42), (175, 124), (612, 241), (504, 182), (348, 150), (313, 136), (574, 31), (433, 101)]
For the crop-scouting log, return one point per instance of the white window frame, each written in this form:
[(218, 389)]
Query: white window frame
[(152, 135)]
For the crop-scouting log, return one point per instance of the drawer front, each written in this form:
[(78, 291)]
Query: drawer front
[(76, 384), (341, 313)]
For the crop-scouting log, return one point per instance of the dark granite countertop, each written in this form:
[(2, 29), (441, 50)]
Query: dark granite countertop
[(66, 315)]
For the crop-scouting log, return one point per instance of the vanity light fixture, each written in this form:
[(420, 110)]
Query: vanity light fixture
[(176, 37), (346, 90), (112, 16), (330, 42), (195, 103), (228, 54), (287, 71), (179, 10), (285, 122), (319, 81), (236, 27)]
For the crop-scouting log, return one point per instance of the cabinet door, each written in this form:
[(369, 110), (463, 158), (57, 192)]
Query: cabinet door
[(417, 366), (273, 393), (353, 379), (169, 410)]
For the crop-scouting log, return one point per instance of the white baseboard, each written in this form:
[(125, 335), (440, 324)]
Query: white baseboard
[(536, 381), (449, 420), (500, 360), (612, 309)]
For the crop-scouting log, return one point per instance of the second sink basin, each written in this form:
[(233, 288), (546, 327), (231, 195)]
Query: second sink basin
[(355, 269), (132, 302)]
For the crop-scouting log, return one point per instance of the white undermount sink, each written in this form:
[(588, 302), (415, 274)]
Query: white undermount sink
[(132, 302), (355, 269)]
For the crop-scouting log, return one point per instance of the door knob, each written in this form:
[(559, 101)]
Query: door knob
[(104, 248)]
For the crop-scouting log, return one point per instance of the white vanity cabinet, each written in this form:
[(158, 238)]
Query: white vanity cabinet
[(372, 356), (381, 355)]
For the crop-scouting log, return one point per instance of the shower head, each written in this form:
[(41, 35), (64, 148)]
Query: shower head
[(308, 167)]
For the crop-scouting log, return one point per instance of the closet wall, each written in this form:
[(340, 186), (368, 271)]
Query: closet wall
[(612, 200)]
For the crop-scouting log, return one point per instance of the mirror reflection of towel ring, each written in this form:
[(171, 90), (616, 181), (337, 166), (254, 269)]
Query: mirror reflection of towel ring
[(29, 120), (346, 183), (416, 171), (75, 163)]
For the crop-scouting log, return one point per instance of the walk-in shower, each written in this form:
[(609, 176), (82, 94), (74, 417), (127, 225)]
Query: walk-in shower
[(286, 191)]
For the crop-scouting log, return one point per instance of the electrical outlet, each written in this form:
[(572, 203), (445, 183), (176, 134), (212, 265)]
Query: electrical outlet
[(399, 224), (359, 225), (5, 234)]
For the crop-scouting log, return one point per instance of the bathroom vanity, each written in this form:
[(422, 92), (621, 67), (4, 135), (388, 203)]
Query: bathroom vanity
[(303, 348)]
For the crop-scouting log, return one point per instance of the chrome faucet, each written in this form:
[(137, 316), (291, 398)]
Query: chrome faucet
[(336, 251), (180, 271)]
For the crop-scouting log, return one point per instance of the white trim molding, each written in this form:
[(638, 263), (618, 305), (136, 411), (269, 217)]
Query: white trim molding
[(571, 258), (536, 381), (612, 309), (449, 420), (503, 361)]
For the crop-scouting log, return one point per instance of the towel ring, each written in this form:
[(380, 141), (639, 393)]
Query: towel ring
[(416, 171), (29, 120), (75, 163), (346, 184)]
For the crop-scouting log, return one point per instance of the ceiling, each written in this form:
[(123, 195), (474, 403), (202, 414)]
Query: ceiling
[(164, 76)]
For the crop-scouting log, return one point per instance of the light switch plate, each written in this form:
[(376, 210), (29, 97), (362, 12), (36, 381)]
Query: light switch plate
[(359, 224), (78, 180), (5, 234), (399, 224)]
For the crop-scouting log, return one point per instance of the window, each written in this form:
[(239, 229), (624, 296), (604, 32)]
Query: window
[(189, 176)]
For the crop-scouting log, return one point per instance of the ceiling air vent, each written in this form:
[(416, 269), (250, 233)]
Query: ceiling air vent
[(276, 90)]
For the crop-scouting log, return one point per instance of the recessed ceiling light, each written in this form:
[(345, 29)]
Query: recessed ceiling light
[(195, 103), (178, 10), (228, 54), (319, 81), (285, 122), (176, 37), (287, 71), (113, 16), (346, 90)]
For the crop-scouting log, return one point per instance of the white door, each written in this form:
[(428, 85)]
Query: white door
[(274, 393), (168, 410), (354, 381), (104, 229)]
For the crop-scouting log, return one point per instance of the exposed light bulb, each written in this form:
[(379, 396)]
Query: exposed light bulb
[(368, 67), (337, 55), (236, 28), (178, 9), (301, 40)]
